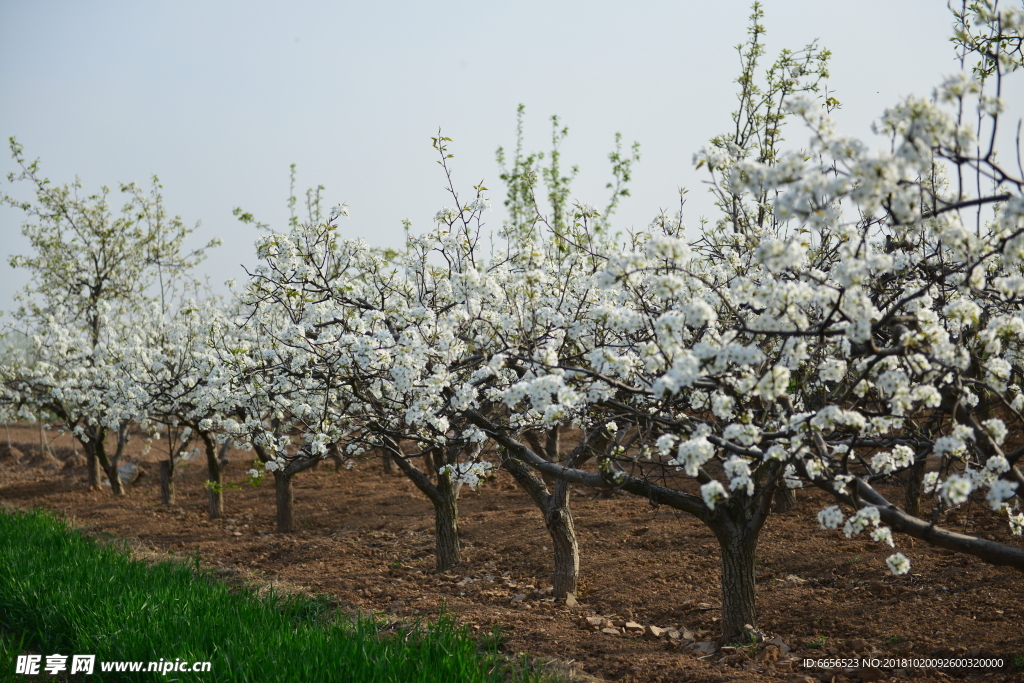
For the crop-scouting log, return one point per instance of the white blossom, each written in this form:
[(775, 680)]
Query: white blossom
[(956, 489), (898, 564), (831, 517), (713, 492)]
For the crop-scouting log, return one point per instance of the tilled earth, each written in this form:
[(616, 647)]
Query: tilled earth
[(650, 594)]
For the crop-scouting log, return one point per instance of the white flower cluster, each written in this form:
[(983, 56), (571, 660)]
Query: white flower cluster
[(470, 474), (898, 564)]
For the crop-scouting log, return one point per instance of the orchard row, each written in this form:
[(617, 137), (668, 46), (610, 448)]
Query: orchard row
[(853, 315)]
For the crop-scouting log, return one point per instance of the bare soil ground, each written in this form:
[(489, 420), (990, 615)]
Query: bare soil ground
[(366, 538)]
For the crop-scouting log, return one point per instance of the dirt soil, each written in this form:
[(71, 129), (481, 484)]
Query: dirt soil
[(366, 538)]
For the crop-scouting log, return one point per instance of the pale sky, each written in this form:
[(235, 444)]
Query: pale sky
[(218, 98)]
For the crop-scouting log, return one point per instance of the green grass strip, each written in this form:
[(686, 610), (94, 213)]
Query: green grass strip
[(62, 593)]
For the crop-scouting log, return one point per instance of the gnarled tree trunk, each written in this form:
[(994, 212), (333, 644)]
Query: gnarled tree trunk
[(214, 477), (215, 485), (446, 524), (739, 594), (444, 495), (285, 497), (785, 499), (116, 485), (559, 522), (557, 519), (283, 492), (109, 465), (44, 447), (167, 482), (93, 464), (915, 482)]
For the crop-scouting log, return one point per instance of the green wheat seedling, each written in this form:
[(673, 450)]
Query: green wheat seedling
[(62, 593)]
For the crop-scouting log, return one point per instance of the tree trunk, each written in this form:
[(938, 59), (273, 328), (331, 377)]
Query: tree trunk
[(116, 485), (222, 456), (912, 494), (215, 483), (94, 466), (166, 482), (109, 465), (784, 499), (284, 493), (43, 448), (214, 477), (739, 598), (445, 498), (446, 525), (558, 519), (388, 464), (285, 502)]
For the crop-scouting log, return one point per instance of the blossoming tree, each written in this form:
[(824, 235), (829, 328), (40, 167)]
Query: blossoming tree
[(91, 265), (852, 316), (376, 353)]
